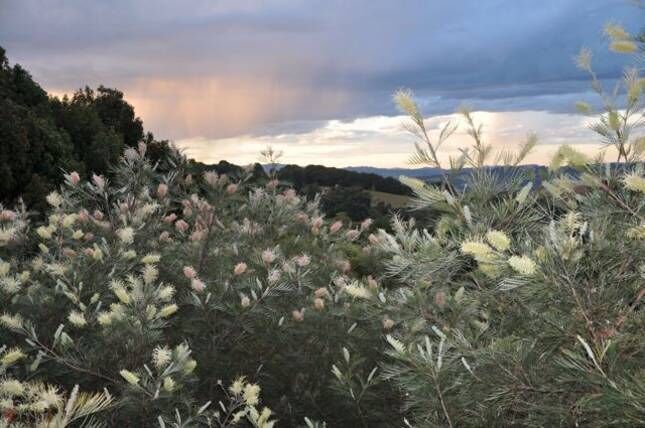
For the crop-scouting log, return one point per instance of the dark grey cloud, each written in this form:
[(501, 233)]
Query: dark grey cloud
[(494, 54)]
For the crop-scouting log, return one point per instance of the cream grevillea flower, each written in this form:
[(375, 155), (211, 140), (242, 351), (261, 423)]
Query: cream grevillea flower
[(358, 291), (54, 199), (522, 265), (168, 310), (476, 249), (169, 384), (11, 387), (388, 323), (498, 240), (634, 182), (69, 220), (12, 322), (237, 386), (245, 302), (11, 356), (166, 292), (150, 274), (251, 394), (130, 377), (77, 319), (120, 292), (161, 356), (126, 235), (4, 269), (151, 259)]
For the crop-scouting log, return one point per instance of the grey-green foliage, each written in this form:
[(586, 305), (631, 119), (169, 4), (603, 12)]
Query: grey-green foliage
[(523, 307), (543, 329)]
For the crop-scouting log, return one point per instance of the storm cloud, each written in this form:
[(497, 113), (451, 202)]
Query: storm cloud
[(212, 70)]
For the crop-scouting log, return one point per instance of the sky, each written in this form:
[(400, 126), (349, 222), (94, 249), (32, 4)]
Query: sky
[(314, 79)]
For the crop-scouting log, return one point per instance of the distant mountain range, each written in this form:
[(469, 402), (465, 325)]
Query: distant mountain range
[(396, 172), (386, 179), (432, 174), (427, 173)]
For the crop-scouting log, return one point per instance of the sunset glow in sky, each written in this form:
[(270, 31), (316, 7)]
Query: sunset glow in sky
[(224, 79)]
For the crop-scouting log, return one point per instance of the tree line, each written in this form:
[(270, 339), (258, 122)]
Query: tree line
[(42, 135)]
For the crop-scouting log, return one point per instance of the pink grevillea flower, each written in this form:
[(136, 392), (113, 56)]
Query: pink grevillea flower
[(211, 178), (68, 252), (303, 260), (162, 190), (197, 285), (190, 272), (373, 239), (7, 215), (231, 188), (274, 276), (181, 225), (74, 178), (290, 195), (302, 217), (371, 282), (387, 323), (268, 256), (240, 268), (298, 315), (352, 234), (440, 299), (317, 222), (98, 181), (321, 292), (83, 216), (198, 235), (170, 218), (336, 226), (365, 224), (272, 184)]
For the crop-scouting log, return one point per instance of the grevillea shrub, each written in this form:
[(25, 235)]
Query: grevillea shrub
[(165, 289)]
